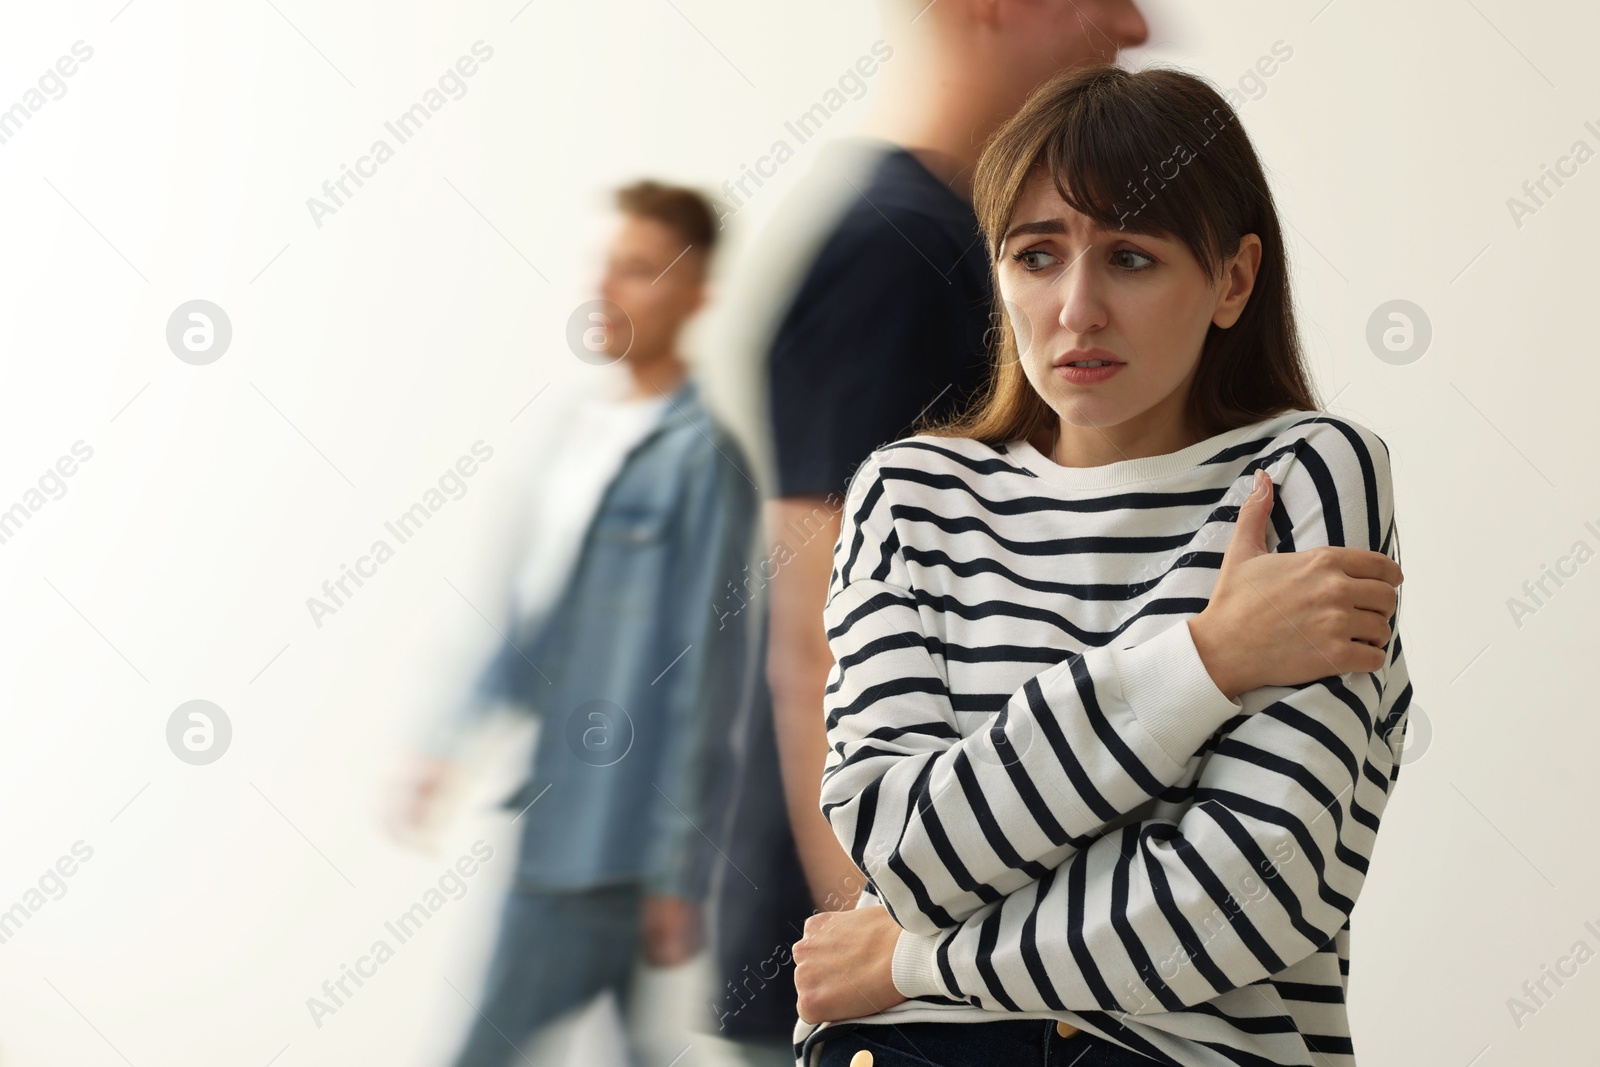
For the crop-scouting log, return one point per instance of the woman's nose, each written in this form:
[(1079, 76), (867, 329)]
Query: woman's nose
[(1082, 307)]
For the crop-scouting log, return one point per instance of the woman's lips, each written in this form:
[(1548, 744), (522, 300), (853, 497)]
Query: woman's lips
[(1087, 375)]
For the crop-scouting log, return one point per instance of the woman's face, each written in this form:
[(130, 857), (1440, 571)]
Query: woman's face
[(1144, 301)]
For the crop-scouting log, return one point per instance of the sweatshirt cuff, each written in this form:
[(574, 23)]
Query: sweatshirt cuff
[(1166, 685), (914, 972)]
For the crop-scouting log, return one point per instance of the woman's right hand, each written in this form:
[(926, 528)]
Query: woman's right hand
[(1292, 617)]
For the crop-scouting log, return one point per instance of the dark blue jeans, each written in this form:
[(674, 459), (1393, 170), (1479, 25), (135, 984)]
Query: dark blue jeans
[(1002, 1043)]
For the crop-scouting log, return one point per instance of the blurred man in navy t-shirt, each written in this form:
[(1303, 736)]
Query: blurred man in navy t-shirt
[(887, 324)]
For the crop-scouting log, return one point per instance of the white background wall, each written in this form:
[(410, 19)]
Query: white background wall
[(372, 351)]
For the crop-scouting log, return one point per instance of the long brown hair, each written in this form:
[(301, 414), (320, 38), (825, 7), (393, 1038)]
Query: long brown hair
[(1109, 138)]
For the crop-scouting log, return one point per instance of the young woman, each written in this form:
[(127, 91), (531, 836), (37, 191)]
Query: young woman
[(1118, 698)]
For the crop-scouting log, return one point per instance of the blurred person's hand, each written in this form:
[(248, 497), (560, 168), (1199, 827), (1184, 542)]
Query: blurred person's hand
[(673, 930), (417, 797)]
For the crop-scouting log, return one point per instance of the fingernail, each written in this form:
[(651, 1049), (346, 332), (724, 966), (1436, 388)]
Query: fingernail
[(1259, 486)]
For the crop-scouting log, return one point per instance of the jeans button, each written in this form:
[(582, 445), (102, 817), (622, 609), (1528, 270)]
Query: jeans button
[(1063, 1028)]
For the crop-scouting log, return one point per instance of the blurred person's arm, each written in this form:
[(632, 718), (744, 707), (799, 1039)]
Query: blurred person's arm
[(446, 745), (438, 750), (848, 371), (708, 625), (449, 737), (797, 667)]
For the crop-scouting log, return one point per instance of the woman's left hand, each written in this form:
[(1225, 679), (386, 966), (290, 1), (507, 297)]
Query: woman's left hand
[(844, 964)]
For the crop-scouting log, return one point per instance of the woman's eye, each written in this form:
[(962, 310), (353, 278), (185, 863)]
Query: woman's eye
[(1025, 258), (1030, 261)]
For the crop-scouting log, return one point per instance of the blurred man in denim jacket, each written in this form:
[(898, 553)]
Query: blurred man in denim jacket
[(629, 647)]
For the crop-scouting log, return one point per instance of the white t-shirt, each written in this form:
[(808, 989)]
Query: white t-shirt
[(566, 488)]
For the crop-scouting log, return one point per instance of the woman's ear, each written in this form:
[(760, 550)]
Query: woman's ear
[(1238, 281)]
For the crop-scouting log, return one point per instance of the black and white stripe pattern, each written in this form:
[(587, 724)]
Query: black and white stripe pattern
[(1033, 767)]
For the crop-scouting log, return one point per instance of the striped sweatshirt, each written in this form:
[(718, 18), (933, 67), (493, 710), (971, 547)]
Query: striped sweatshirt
[(1032, 766)]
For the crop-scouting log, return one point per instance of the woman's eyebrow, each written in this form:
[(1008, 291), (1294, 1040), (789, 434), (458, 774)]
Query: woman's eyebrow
[(1059, 225), (1041, 226), (1055, 225)]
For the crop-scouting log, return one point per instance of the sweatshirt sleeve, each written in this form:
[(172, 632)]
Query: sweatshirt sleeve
[(944, 825), (1263, 866)]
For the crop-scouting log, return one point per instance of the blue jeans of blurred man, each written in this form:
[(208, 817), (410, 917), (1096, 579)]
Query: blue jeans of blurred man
[(556, 952)]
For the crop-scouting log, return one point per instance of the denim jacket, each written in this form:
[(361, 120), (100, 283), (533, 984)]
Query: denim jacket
[(639, 672)]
